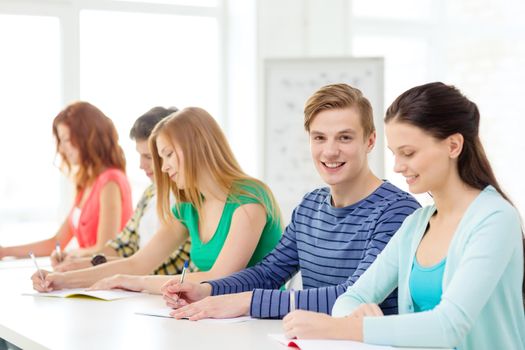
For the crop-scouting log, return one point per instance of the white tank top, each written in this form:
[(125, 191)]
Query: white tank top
[(149, 222), (75, 217)]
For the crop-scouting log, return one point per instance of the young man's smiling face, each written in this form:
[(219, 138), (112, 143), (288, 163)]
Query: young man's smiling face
[(339, 147)]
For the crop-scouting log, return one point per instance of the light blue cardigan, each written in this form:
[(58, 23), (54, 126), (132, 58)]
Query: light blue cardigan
[(481, 306)]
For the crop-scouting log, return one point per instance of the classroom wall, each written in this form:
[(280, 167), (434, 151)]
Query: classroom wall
[(478, 46), (297, 28)]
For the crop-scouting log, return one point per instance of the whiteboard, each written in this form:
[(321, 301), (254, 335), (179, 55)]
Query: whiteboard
[(287, 165)]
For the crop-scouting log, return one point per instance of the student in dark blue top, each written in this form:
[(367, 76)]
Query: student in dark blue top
[(335, 232)]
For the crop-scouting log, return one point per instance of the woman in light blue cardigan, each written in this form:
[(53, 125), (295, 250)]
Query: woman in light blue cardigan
[(459, 263)]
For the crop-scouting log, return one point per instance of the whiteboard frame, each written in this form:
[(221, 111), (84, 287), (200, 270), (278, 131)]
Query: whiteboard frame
[(313, 66)]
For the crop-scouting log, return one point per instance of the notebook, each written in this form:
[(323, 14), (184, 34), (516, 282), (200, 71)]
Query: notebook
[(113, 294), (319, 344)]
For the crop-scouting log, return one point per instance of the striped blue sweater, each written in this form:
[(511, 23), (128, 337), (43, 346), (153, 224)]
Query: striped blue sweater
[(331, 246)]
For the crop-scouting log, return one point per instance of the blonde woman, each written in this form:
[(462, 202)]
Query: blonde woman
[(232, 219)]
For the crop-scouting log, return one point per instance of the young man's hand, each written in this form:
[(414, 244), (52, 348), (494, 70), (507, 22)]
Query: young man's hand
[(220, 306)]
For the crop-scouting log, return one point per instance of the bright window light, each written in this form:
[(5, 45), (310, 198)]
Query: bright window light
[(30, 189), (130, 62), (402, 71)]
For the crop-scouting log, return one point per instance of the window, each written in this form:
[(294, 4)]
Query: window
[(124, 57), (30, 90), (486, 63), (406, 56), (126, 69), (476, 45)]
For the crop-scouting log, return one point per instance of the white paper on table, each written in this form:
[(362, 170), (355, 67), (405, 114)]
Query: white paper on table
[(320, 344), (112, 294), (165, 312)]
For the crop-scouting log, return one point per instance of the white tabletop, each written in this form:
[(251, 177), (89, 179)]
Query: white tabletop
[(82, 323), (12, 263)]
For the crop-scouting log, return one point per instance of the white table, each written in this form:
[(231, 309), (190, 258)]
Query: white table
[(11, 263), (82, 323)]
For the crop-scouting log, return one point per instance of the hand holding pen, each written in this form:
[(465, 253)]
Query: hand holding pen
[(42, 281), (168, 287), (178, 293)]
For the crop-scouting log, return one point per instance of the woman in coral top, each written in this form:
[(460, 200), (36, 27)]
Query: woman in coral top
[(87, 143)]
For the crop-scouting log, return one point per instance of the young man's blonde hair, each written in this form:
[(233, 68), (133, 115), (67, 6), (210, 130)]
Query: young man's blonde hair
[(339, 96)]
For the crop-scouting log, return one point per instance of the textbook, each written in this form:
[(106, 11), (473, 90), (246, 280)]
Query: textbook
[(165, 312), (112, 294), (322, 344)]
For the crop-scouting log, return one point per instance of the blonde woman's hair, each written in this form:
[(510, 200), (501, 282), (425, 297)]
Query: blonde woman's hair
[(205, 149)]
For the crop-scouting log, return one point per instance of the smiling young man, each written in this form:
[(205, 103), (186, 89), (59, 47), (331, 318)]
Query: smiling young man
[(335, 233)]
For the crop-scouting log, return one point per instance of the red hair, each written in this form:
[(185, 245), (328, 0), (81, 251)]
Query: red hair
[(96, 139)]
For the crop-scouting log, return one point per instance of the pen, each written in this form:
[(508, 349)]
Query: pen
[(32, 256), (59, 252), (292, 300), (183, 274)]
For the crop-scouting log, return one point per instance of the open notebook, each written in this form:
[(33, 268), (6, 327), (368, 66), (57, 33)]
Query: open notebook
[(165, 312), (319, 344), (98, 294)]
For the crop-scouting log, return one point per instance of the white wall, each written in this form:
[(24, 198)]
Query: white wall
[(298, 28), (479, 46)]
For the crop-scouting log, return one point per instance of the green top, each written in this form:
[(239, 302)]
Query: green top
[(204, 255)]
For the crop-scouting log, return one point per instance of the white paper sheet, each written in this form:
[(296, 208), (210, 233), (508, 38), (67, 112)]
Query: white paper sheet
[(165, 312)]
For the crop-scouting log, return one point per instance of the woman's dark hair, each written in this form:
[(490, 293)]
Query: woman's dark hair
[(144, 125), (442, 110)]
